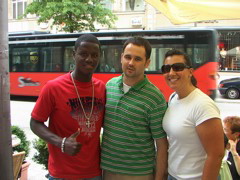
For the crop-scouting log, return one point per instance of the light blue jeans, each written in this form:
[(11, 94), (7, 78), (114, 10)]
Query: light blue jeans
[(170, 177)]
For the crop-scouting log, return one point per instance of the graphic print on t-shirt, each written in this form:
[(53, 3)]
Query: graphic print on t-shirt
[(78, 114)]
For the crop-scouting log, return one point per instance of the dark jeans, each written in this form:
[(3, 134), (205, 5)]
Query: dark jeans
[(94, 178)]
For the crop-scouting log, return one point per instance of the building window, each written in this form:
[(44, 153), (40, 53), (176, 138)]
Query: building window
[(19, 7), (134, 5)]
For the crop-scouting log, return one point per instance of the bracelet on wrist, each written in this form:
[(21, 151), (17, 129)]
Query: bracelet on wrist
[(63, 144)]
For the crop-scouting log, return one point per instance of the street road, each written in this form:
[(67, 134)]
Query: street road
[(228, 107)]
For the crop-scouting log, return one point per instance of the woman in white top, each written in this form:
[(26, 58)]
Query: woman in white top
[(192, 123)]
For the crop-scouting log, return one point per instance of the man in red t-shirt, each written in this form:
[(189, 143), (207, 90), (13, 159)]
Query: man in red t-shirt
[(74, 106)]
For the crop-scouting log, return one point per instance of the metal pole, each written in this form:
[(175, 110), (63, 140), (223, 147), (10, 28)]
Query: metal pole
[(6, 168)]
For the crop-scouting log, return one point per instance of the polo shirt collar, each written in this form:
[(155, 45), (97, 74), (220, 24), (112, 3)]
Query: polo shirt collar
[(137, 86)]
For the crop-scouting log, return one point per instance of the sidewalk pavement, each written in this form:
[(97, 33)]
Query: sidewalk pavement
[(224, 100)]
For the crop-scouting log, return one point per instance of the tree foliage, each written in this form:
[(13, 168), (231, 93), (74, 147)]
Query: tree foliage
[(72, 15)]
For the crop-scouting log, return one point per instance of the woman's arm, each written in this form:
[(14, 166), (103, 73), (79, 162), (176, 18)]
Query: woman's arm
[(211, 136), (235, 155)]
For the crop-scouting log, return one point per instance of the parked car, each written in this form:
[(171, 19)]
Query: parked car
[(230, 88)]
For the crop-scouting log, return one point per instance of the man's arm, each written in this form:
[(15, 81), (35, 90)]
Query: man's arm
[(71, 146), (161, 159)]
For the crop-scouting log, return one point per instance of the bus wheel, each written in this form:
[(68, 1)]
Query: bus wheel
[(232, 93)]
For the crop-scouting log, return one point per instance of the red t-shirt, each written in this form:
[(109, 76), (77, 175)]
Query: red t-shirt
[(59, 102)]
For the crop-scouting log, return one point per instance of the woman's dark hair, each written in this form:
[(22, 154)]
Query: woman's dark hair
[(87, 38), (187, 61), (139, 41)]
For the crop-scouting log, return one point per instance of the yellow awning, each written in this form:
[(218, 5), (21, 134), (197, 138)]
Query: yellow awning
[(188, 11)]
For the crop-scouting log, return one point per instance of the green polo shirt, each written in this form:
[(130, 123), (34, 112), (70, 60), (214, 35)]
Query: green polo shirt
[(132, 121)]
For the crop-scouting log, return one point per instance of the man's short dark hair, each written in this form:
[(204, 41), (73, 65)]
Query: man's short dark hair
[(87, 38), (139, 41)]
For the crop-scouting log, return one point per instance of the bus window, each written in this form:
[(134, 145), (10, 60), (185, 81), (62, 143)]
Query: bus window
[(111, 59), (198, 54), (157, 55), (68, 59), (51, 59), (25, 59), (156, 59)]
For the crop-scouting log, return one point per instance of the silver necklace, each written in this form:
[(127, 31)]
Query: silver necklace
[(88, 123)]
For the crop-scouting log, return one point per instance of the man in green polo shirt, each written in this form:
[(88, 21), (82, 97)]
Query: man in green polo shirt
[(133, 120)]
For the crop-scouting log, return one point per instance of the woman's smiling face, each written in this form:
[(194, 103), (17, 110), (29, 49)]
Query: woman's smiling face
[(177, 80)]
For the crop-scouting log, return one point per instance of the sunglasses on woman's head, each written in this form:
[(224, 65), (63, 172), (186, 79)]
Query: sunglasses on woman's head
[(176, 67)]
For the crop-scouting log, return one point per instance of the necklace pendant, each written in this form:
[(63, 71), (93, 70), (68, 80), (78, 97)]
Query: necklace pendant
[(88, 123)]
